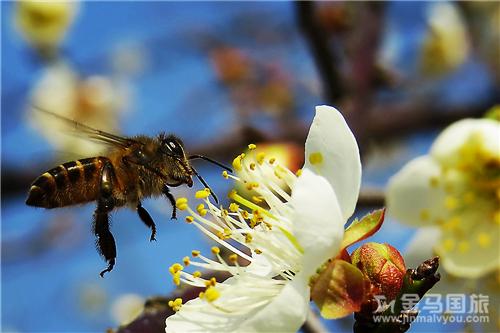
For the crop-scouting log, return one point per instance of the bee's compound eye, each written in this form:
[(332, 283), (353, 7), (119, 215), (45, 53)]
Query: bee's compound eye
[(171, 146)]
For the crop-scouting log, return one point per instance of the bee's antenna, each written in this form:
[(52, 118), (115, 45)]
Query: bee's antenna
[(208, 159), (205, 184)]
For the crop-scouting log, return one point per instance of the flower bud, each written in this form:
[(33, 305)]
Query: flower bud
[(383, 265)]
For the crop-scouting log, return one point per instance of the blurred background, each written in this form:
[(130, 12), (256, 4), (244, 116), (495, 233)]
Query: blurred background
[(219, 75)]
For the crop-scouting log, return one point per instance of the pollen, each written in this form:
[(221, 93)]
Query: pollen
[(252, 166), (484, 240), (225, 174), (233, 258), (258, 251), (175, 304), (196, 274), (211, 294), (451, 202), (434, 182), (257, 199), (425, 215), (463, 246), (448, 245), (469, 197), (175, 268), (234, 207), (195, 253), (252, 185), (316, 158), (237, 162), (186, 261), (181, 203), (260, 158), (248, 238), (252, 146), (215, 250), (177, 278), (189, 219), (202, 194), (201, 209), (211, 283)]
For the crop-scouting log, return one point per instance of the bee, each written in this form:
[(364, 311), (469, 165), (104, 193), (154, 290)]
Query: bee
[(134, 168)]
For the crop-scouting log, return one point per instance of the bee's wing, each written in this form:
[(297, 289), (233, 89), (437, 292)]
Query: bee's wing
[(90, 132)]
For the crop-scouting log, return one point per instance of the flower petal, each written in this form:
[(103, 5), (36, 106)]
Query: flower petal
[(448, 144), (331, 151), (414, 195), (285, 312), (317, 220), (473, 253)]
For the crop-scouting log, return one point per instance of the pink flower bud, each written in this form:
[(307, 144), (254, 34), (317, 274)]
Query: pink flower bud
[(383, 265)]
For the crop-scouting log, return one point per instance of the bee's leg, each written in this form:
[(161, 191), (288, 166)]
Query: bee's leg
[(147, 219), (170, 198), (105, 241)]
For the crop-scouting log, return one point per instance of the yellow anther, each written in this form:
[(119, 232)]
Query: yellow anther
[(202, 194), (211, 283), (233, 258), (195, 253), (316, 158), (425, 215), (298, 173), (272, 160), (469, 197), (257, 199), (196, 274), (189, 219), (484, 240), (215, 250), (175, 268), (277, 174), (225, 174), (177, 278), (245, 214), (463, 246), (252, 185), (248, 238), (252, 146), (434, 181), (237, 162), (450, 202), (175, 304), (232, 194), (224, 212), (211, 294), (201, 209), (234, 207), (257, 251), (448, 244), (252, 166), (181, 203), (496, 217), (186, 261), (260, 158), (201, 295)]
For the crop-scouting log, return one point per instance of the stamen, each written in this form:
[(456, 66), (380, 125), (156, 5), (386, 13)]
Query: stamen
[(175, 304), (181, 203), (202, 194)]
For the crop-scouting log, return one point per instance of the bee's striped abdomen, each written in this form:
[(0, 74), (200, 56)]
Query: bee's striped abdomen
[(70, 183)]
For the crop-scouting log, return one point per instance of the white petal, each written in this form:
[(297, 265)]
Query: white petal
[(317, 220), (421, 246), (341, 166), (415, 195), (447, 145), (286, 312)]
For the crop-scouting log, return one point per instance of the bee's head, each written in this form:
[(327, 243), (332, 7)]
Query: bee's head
[(172, 149)]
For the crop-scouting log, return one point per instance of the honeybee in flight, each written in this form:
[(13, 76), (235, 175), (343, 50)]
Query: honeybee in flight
[(134, 168)]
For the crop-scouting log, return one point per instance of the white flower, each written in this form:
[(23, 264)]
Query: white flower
[(456, 188), (285, 243)]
